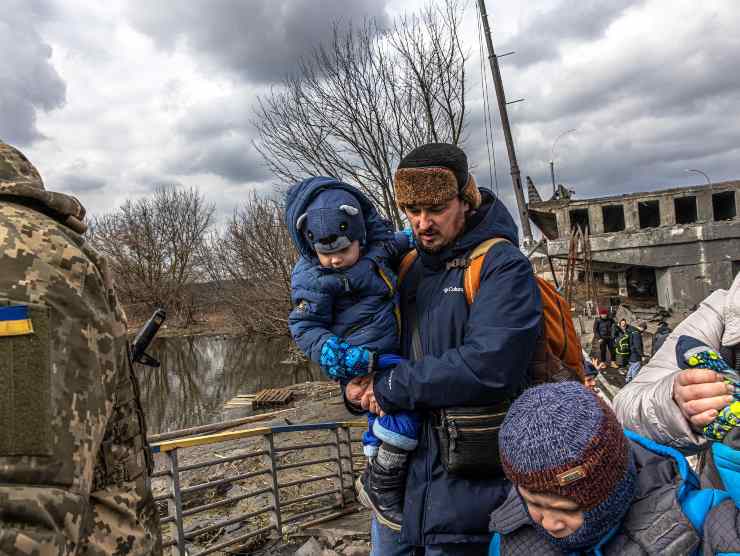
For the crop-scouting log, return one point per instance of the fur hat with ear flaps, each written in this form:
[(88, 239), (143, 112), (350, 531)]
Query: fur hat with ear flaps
[(332, 221), (433, 174)]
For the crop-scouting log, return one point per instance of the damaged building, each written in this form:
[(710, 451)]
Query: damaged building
[(671, 247)]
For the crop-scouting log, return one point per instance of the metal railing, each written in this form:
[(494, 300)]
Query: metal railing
[(323, 455)]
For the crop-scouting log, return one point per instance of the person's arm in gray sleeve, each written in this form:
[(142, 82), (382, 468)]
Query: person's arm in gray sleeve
[(646, 405)]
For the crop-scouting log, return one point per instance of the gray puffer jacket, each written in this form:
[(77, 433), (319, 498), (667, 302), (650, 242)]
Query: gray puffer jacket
[(646, 404)]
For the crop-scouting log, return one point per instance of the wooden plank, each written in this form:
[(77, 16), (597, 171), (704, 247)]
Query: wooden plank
[(208, 439), (234, 435), (214, 427)]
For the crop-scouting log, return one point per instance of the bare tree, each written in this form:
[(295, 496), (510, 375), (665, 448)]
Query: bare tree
[(361, 102), (251, 262), (153, 244)]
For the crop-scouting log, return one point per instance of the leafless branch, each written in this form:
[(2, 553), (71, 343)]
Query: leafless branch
[(366, 98)]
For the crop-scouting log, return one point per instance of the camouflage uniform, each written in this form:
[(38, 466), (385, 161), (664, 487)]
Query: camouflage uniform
[(74, 463)]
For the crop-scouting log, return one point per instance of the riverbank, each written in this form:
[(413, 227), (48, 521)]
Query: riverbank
[(210, 324)]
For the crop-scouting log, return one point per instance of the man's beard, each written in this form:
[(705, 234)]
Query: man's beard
[(436, 249)]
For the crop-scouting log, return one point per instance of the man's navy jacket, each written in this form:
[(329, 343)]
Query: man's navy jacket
[(475, 355)]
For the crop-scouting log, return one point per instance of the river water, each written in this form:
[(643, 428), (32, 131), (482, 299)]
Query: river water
[(199, 373)]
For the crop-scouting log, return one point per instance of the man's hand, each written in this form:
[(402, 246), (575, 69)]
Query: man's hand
[(369, 402), (701, 394), (600, 365), (357, 387)]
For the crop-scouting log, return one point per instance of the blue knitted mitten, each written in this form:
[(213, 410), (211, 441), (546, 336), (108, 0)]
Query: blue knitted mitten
[(341, 360)]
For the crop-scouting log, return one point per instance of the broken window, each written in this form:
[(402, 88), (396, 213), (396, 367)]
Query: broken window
[(641, 282), (685, 210), (649, 212), (613, 218), (723, 205), (579, 218)]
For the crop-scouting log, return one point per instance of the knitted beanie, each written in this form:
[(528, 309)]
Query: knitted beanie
[(562, 439), (433, 174)]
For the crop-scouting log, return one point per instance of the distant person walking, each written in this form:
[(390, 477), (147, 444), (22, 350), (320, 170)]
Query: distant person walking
[(621, 341), (603, 329), (636, 349), (660, 335)]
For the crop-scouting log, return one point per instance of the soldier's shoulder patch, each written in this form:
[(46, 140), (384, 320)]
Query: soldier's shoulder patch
[(15, 321), (25, 376)]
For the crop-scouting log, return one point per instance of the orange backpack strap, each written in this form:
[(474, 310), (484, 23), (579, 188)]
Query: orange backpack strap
[(471, 279), (405, 265)]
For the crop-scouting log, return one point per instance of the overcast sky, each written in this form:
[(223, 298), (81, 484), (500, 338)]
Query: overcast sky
[(111, 98)]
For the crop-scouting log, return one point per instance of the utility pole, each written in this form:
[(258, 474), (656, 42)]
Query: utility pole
[(501, 98)]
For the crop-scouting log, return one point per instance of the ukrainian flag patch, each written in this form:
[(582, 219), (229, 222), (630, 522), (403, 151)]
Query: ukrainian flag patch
[(14, 321)]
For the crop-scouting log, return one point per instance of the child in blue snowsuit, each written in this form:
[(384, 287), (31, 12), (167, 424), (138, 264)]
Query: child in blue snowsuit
[(345, 313)]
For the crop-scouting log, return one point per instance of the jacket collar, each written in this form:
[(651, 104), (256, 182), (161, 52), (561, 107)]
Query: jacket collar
[(509, 516), (492, 219)]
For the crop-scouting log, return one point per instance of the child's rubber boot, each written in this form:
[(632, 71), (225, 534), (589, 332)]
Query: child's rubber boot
[(381, 490)]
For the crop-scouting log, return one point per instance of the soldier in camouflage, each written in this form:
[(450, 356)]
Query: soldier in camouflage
[(74, 462)]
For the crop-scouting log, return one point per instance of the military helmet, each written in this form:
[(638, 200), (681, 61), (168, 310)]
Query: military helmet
[(15, 169), (20, 180)]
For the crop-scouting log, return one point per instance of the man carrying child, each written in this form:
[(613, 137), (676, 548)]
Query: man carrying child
[(455, 354), (458, 356)]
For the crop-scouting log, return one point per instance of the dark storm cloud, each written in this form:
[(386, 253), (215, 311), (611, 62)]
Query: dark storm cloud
[(230, 156), (75, 183), (645, 109), (28, 80), (540, 38), (258, 40), (676, 81), (217, 139), (641, 121)]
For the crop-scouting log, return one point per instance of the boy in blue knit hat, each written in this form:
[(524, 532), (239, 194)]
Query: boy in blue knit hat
[(581, 485), (345, 316)]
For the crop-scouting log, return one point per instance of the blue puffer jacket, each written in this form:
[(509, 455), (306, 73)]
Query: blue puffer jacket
[(727, 461), (475, 355), (357, 304), (722, 528)]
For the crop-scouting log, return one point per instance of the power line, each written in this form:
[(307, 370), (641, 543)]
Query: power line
[(487, 118)]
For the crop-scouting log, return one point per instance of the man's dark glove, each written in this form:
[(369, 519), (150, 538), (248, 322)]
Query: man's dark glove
[(388, 360)]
